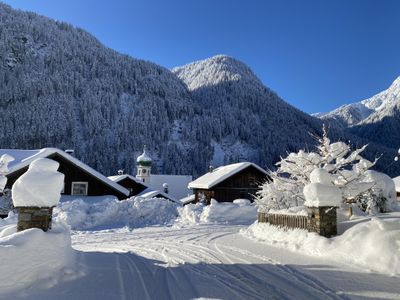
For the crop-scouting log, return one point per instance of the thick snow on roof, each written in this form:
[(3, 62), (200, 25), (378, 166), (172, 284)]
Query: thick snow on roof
[(397, 183), (24, 157), (187, 199), (219, 174), (118, 178), (150, 193), (177, 184)]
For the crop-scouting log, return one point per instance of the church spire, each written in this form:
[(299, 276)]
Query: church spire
[(143, 164)]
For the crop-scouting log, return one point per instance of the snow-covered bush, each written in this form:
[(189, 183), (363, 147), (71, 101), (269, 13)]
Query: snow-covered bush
[(382, 195), (6, 204), (342, 168)]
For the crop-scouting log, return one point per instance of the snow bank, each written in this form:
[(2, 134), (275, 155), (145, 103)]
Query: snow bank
[(112, 213), (40, 186), (241, 211), (373, 244), (33, 255)]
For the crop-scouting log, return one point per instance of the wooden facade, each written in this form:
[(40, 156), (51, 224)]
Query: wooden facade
[(242, 185), (74, 174)]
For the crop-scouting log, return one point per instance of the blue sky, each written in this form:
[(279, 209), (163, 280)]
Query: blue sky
[(316, 54)]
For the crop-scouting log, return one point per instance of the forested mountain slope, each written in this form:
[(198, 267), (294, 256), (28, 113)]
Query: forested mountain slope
[(242, 113), (61, 87)]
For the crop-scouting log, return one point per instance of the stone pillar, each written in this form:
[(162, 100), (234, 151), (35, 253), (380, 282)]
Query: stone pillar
[(322, 220), (34, 217)]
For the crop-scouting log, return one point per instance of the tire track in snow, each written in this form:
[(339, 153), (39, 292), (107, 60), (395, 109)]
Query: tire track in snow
[(120, 278), (132, 266), (219, 273), (292, 272), (206, 255)]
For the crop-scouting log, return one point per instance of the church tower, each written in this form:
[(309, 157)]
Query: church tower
[(143, 165)]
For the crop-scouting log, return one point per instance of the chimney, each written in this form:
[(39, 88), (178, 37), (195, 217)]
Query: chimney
[(70, 151), (165, 187)]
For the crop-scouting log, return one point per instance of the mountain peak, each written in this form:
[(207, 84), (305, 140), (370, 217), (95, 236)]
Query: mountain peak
[(396, 83), (356, 113), (214, 70)]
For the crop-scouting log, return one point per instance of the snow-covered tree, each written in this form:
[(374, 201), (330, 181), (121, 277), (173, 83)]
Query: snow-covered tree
[(6, 204), (346, 169)]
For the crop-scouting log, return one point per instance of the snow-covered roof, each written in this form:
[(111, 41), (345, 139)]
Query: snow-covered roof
[(150, 193), (187, 199), (118, 178), (24, 157), (397, 183), (177, 184), (219, 174)]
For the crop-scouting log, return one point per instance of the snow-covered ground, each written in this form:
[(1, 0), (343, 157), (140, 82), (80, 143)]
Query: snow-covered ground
[(211, 253), (205, 261)]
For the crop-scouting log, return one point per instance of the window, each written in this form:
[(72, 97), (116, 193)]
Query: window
[(79, 188), (252, 181)]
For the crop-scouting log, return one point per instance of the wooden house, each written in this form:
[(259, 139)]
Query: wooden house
[(227, 183), (137, 187), (150, 193), (132, 184), (80, 179)]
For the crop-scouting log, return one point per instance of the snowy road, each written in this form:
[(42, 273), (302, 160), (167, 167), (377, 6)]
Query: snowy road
[(206, 262)]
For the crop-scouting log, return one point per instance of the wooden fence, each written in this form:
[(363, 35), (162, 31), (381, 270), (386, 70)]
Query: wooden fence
[(289, 221)]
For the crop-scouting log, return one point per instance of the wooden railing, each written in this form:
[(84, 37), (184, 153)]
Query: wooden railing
[(288, 221)]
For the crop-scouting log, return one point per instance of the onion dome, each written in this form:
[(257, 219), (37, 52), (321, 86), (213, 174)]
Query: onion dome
[(144, 159)]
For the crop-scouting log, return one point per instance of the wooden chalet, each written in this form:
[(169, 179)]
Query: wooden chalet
[(134, 185), (227, 183), (150, 193), (80, 179), (137, 187)]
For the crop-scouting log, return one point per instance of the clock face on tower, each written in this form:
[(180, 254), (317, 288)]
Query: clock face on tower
[(144, 171)]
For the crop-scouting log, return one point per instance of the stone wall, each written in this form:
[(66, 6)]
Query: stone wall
[(322, 220), (34, 217)]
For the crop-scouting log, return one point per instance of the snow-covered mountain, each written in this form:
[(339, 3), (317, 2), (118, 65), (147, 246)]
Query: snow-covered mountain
[(364, 111), (61, 87), (376, 119), (244, 117)]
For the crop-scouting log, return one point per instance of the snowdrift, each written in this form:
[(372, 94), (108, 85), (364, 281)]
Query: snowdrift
[(241, 211), (33, 255), (111, 213), (374, 244)]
